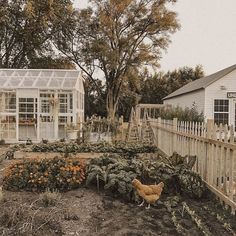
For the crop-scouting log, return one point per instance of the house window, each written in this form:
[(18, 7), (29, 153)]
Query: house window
[(221, 111)]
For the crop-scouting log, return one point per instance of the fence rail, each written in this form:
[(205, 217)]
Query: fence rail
[(214, 147)]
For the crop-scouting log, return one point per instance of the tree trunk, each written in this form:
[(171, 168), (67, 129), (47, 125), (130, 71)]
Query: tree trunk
[(111, 103)]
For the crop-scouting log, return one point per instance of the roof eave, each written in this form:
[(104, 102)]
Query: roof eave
[(168, 97)]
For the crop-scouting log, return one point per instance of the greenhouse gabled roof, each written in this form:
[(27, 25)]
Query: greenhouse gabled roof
[(39, 78)]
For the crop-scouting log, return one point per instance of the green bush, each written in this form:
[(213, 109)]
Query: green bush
[(41, 174), (186, 114)]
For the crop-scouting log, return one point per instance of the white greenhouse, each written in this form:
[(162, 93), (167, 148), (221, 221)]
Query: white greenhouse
[(39, 104)]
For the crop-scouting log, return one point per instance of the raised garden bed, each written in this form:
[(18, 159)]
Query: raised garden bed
[(40, 155)]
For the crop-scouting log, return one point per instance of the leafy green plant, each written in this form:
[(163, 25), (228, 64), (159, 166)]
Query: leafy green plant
[(103, 147), (115, 173)]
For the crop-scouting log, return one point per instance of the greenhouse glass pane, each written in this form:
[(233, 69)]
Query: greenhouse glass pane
[(46, 73), (28, 81), (14, 81), (72, 74), (33, 73), (56, 82), (70, 82), (3, 80), (9, 72), (42, 82), (22, 72), (3, 73), (59, 73)]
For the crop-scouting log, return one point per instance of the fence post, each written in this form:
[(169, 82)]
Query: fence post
[(210, 124), (174, 142), (231, 134), (209, 152), (159, 132)]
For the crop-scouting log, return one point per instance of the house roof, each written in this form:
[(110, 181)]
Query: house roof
[(39, 78), (201, 83)]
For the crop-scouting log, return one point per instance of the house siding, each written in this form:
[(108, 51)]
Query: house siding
[(214, 91), (187, 100)]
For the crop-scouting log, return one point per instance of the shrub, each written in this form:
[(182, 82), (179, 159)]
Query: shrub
[(49, 198), (186, 114), (41, 174)]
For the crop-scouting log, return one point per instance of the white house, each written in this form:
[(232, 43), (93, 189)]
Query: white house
[(214, 95), (36, 104)]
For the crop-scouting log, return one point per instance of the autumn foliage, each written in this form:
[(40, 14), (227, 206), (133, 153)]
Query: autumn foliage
[(41, 174)]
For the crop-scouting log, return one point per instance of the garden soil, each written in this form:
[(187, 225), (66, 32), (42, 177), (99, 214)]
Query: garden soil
[(88, 212)]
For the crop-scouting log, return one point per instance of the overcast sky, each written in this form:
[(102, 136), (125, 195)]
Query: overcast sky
[(207, 35)]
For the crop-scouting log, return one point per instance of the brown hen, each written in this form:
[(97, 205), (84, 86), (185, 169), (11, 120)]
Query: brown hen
[(149, 193)]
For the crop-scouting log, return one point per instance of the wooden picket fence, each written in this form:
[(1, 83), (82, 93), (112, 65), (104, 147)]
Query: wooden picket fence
[(214, 147)]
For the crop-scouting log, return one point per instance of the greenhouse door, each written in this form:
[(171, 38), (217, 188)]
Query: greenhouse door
[(27, 119)]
